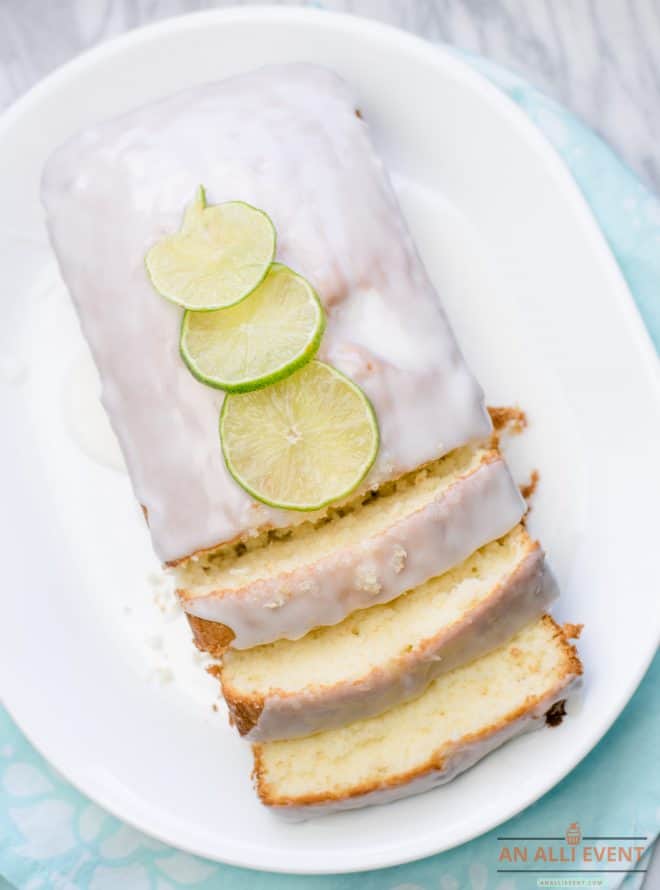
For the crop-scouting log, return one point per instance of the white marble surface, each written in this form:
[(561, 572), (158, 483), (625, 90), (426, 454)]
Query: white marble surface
[(601, 58)]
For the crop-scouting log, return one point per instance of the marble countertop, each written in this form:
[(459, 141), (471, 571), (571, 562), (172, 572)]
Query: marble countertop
[(600, 59)]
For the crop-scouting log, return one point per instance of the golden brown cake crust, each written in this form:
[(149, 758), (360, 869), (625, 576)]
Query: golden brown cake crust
[(244, 710), (572, 668), (245, 713), (210, 636), (242, 714), (529, 488)]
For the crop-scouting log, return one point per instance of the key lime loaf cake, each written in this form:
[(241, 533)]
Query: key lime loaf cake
[(286, 139), (381, 656), (313, 457), (462, 716)]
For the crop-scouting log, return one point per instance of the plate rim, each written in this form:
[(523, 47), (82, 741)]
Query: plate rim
[(443, 57)]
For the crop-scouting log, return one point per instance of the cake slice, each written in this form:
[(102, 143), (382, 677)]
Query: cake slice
[(461, 717), (367, 551), (382, 656)]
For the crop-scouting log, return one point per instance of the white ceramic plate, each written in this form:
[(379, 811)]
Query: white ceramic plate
[(94, 670)]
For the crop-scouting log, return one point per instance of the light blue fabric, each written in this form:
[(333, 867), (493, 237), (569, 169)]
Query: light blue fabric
[(53, 837)]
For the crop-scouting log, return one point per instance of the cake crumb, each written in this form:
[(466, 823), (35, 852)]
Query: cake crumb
[(367, 580), (508, 419), (399, 557), (527, 489), (164, 675), (572, 631), (167, 603), (155, 642), (156, 579), (277, 603), (556, 713)]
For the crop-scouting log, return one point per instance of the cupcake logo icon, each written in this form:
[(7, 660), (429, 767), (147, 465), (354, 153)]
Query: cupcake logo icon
[(573, 834)]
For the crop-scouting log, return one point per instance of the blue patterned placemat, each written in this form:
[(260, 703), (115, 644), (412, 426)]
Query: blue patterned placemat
[(53, 837)]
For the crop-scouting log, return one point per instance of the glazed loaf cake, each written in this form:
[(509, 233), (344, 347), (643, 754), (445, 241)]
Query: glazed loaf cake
[(365, 552), (381, 656), (331, 616), (287, 140), (461, 717)]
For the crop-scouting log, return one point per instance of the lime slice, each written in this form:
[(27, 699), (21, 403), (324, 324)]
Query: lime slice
[(302, 442), (217, 258), (263, 339)]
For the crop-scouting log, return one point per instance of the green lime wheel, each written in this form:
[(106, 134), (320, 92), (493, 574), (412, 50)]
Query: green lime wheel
[(303, 442), (218, 257), (262, 339)]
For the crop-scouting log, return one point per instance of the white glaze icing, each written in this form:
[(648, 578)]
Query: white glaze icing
[(285, 139), (474, 510), (462, 756), (524, 596), (85, 418)]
